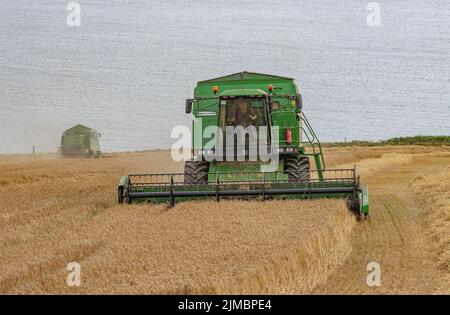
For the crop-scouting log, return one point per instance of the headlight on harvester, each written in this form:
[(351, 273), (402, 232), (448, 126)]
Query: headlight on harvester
[(205, 152)]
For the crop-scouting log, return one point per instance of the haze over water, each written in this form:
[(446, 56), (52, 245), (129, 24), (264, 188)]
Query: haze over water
[(129, 67)]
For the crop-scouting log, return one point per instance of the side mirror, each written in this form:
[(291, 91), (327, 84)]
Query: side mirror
[(188, 106), (299, 102)]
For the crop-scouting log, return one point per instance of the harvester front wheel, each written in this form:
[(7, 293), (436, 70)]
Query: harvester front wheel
[(297, 168), (196, 172)]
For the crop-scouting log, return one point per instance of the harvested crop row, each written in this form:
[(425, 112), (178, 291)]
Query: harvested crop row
[(433, 191)]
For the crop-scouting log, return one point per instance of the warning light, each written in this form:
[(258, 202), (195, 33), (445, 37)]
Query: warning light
[(215, 89), (270, 88)]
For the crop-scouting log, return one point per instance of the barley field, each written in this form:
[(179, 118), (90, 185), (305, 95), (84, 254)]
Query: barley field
[(54, 211)]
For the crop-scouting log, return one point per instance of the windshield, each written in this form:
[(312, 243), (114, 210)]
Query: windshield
[(243, 121), (243, 111)]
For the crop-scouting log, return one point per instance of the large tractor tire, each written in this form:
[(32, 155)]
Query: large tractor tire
[(196, 172), (297, 168)]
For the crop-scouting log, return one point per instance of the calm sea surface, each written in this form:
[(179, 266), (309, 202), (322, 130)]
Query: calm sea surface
[(128, 68)]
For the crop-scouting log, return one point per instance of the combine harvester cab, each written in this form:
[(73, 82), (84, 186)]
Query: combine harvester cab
[(249, 100)]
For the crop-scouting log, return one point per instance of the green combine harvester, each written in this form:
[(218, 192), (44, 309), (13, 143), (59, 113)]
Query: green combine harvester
[(80, 141), (269, 110)]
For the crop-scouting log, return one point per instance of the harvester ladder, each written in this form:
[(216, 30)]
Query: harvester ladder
[(314, 144)]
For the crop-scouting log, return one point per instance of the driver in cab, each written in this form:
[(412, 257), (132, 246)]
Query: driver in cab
[(242, 115)]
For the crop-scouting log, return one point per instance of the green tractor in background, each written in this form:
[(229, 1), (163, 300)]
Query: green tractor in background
[(223, 169)]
